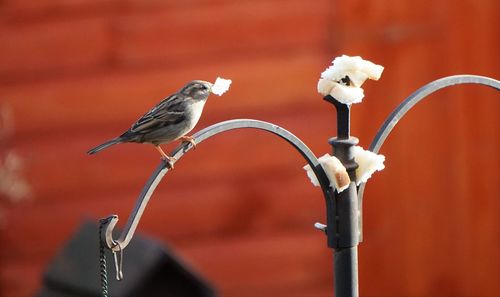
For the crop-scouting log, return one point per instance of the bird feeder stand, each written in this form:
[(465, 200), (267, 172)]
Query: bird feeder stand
[(343, 210)]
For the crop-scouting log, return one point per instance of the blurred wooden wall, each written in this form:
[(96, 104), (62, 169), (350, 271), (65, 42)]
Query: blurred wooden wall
[(240, 208)]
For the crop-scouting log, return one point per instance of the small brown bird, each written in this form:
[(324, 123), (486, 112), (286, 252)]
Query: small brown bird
[(169, 120)]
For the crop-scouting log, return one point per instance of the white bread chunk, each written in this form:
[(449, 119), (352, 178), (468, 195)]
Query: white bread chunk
[(335, 171), (221, 86), (350, 73), (368, 163)]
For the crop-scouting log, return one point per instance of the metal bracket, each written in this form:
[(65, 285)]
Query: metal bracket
[(411, 101), (117, 245), (418, 96)]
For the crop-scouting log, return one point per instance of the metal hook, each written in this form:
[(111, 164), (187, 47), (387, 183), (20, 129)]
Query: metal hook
[(118, 256)]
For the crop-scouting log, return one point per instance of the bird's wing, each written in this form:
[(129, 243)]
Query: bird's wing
[(169, 111)]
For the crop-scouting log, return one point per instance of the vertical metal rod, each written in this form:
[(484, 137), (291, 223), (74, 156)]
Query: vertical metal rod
[(346, 272), (346, 251), (344, 238), (343, 120)]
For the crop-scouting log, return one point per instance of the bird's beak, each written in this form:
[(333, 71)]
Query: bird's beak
[(210, 85)]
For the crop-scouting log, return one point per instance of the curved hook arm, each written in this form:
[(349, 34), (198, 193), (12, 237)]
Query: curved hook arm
[(162, 169), (418, 96)]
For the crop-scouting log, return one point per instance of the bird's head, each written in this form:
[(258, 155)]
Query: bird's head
[(197, 89)]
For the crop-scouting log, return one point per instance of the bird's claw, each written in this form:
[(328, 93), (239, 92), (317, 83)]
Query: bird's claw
[(169, 160), (189, 139)]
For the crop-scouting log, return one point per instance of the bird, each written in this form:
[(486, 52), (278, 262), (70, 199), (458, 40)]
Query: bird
[(170, 120)]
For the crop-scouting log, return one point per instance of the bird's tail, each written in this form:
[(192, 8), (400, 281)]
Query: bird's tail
[(104, 145)]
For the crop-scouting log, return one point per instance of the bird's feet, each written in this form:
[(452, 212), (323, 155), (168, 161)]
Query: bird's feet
[(170, 160), (189, 139)]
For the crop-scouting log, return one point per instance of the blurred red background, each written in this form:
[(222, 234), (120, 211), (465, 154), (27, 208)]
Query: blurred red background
[(240, 209)]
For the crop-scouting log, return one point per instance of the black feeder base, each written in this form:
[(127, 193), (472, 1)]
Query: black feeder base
[(150, 269)]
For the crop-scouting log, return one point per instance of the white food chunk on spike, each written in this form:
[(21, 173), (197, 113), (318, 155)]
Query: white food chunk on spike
[(221, 86), (325, 86), (357, 77), (368, 163), (347, 94), (351, 73), (335, 171), (373, 71)]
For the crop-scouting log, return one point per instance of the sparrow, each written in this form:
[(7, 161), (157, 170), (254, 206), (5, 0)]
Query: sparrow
[(168, 121)]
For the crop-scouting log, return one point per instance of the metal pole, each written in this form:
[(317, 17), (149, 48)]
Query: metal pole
[(344, 232), (346, 252), (346, 272)]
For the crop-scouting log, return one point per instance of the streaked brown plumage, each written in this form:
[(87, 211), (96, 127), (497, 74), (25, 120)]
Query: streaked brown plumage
[(169, 120)]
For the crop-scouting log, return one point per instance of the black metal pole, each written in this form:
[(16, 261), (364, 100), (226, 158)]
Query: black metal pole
[(346, 252), (346, 272), (344, 211), (344, 232)]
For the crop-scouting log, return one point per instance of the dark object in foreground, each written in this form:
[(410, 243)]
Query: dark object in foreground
[(150, 270)]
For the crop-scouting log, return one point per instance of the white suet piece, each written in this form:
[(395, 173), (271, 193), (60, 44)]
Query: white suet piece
[(368, 163), (335, 171), (343, 79), (325, 86), (347, 94), (221, 86)]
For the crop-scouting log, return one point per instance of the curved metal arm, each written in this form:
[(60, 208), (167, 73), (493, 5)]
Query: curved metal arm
[(418, 96), (162, 169)]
